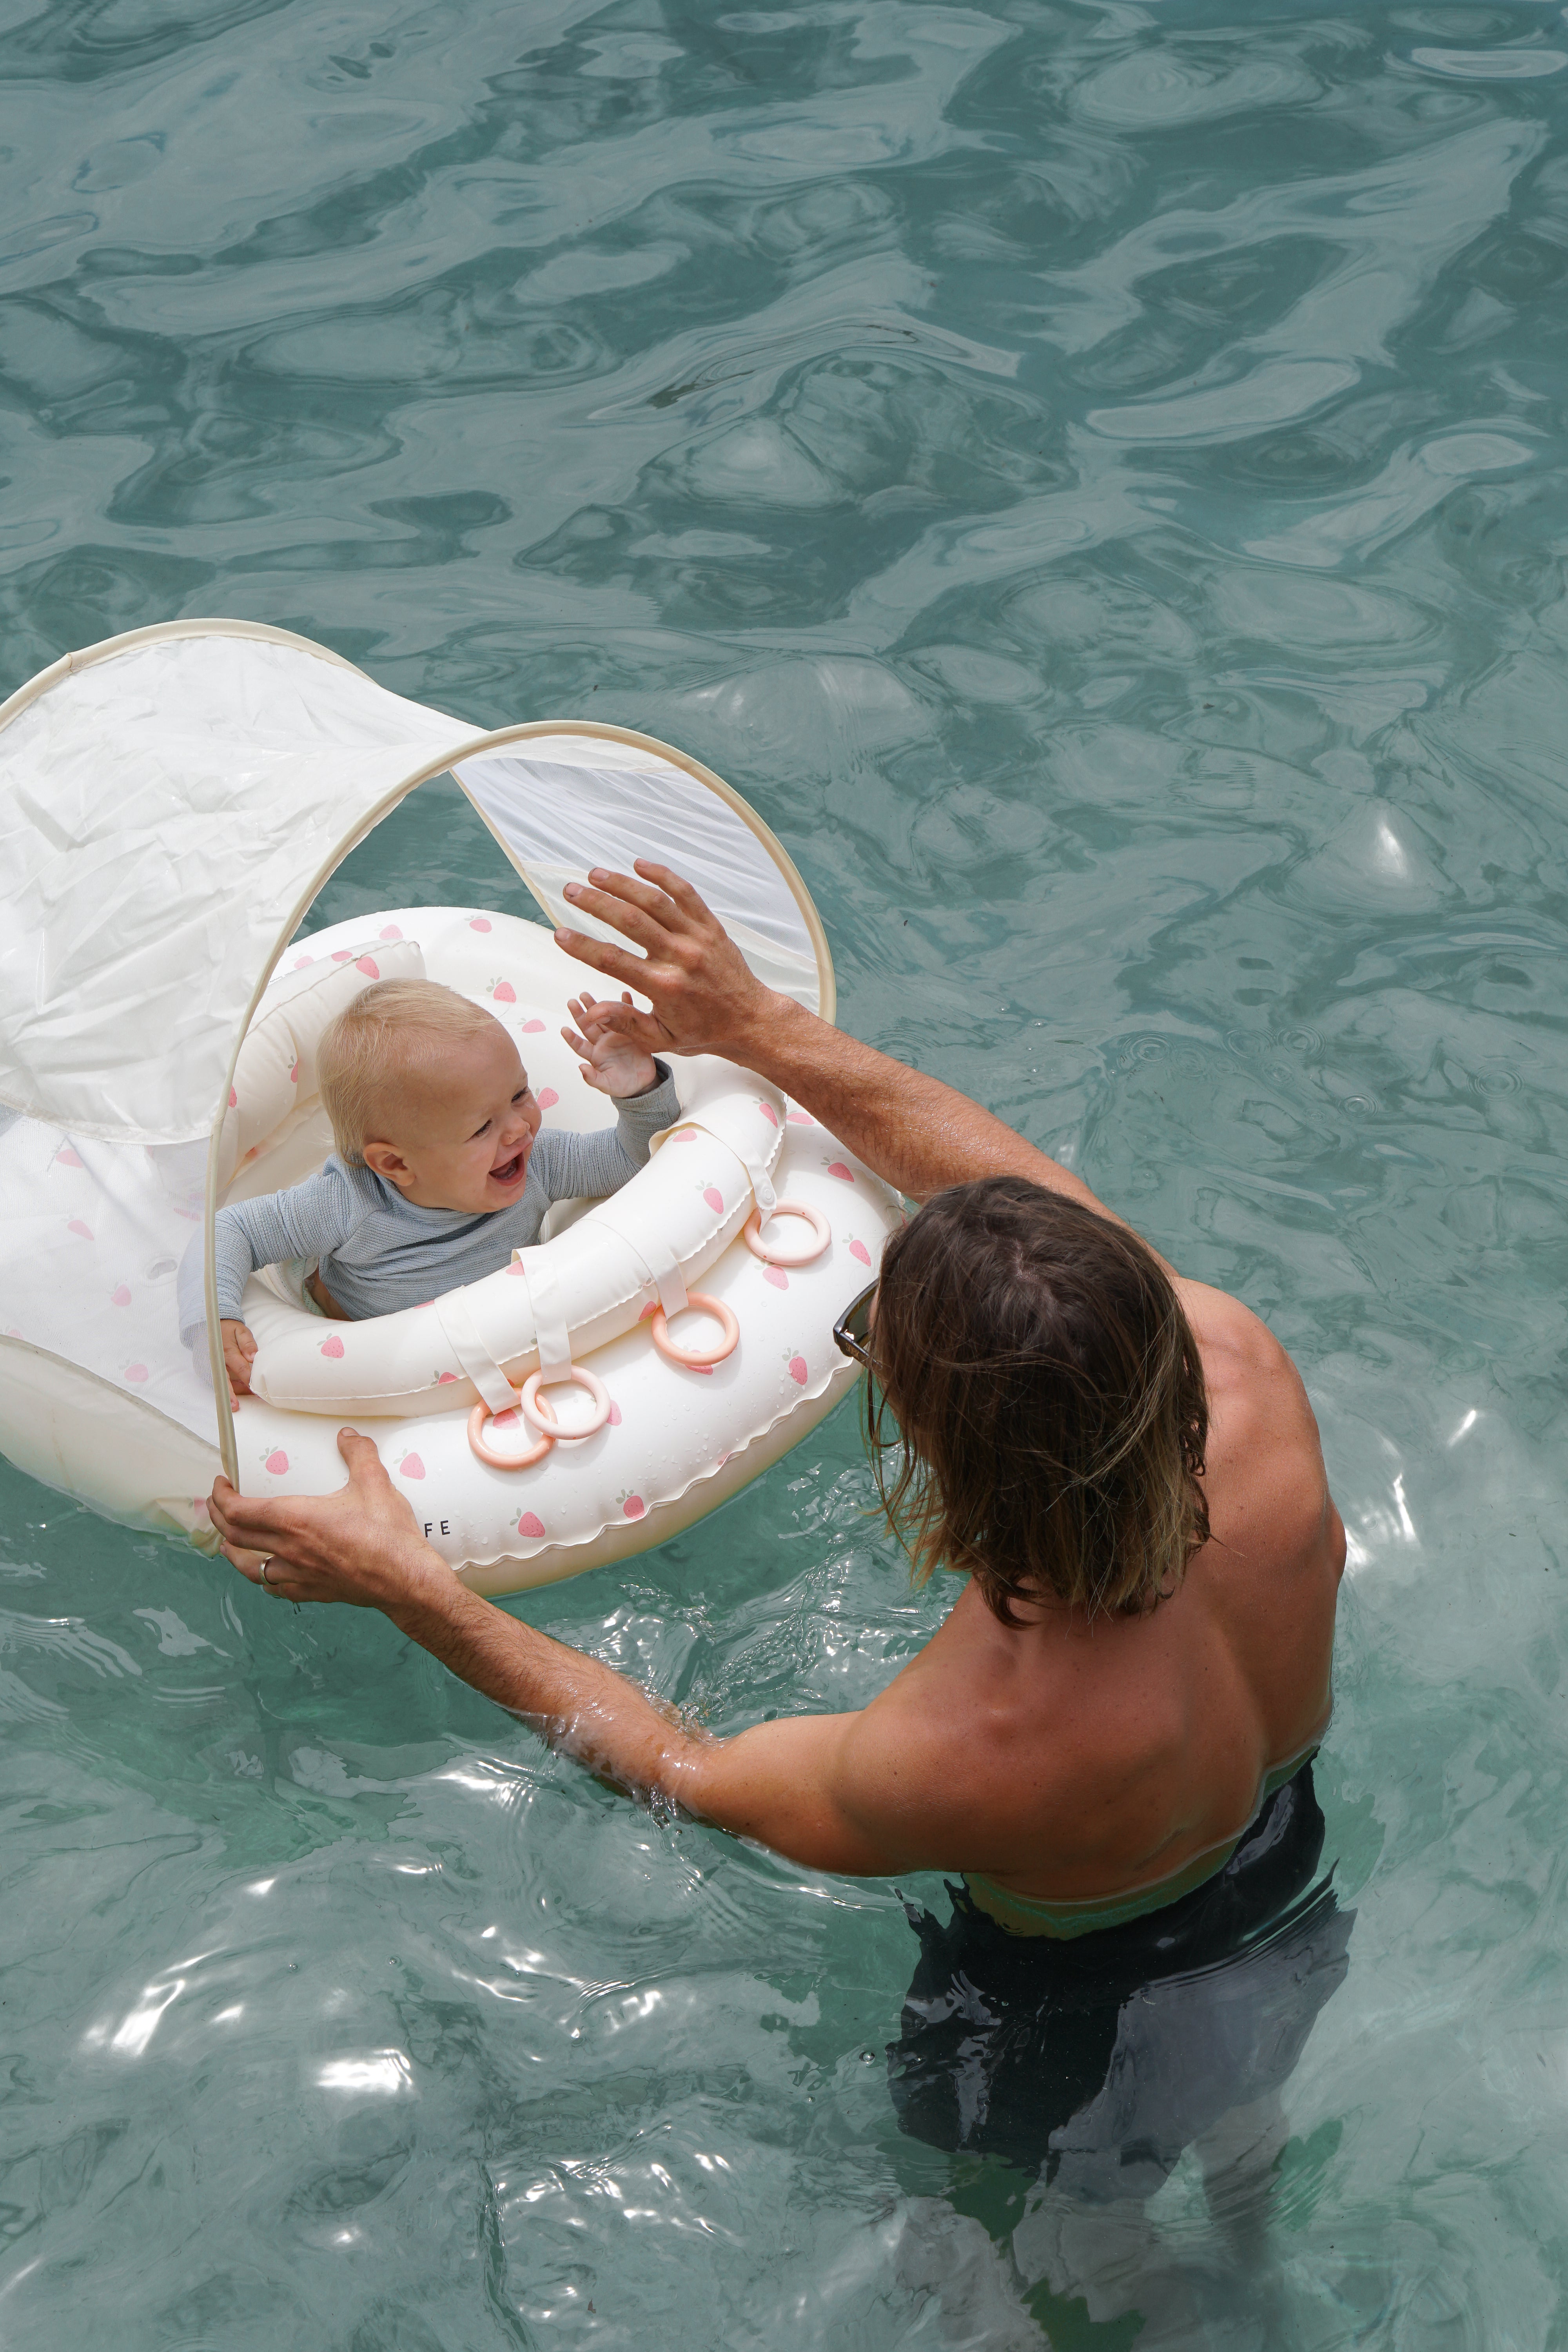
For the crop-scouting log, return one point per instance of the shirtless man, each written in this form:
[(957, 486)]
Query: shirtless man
[(1112, 1744)]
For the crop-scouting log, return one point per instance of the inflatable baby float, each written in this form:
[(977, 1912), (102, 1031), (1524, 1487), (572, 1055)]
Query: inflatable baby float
[(171, 802)]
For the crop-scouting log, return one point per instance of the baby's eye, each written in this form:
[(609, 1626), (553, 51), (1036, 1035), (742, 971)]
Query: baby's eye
[(522, 1094), (480, 1130)]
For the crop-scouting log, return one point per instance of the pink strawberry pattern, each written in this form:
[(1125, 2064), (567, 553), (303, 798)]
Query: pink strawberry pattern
[(410, 1466), (632, 1506), (533, 1028), (83, 1232), (776, 1275), (369, 966), (303, 963), (548, 1097), (120, 1296), (442, 1378), (769, 1113), (798, 1371), (615, 1414), (801, 1119), (332, 1347), (502, 992), (392, 932), (341, 955), (836, 1168), (528, 1523), (714, 1198), (277, 1462), (137, 1373), (479, 923), (858, 1249), (66, 1158)]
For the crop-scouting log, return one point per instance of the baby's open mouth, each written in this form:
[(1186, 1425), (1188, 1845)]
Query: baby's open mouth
[(509, 1171)]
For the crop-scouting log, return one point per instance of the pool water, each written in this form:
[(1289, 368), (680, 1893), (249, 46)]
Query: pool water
[(1092, 475)]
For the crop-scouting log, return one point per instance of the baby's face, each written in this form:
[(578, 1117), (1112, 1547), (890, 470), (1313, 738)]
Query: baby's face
[(461, 1131)]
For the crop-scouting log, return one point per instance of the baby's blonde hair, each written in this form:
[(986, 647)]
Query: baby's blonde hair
[(376, 1040)]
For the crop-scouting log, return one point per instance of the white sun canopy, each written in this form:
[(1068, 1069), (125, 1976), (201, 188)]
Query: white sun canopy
[(171, 801)]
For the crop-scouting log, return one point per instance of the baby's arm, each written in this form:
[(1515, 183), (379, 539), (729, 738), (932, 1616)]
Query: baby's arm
[(308, 1220), (576, 1167)]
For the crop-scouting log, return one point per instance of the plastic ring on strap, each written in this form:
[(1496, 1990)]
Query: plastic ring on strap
[(689, 1357), (538, 1414), (477, 1420), (770, 1252)]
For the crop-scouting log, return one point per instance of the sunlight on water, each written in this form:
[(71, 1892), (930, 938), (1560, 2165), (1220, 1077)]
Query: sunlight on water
[(1092, 474)]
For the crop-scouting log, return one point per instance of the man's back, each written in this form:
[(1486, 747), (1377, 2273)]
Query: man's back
[(1070, 1758)]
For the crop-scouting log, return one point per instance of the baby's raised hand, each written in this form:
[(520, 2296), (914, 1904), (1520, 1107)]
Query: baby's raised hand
[(617, 1044), (238, 1352)]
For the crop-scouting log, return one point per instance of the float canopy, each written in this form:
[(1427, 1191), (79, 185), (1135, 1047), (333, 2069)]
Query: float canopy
[(171, 803)]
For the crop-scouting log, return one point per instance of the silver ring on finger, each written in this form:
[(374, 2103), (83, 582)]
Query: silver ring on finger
[(266, 1580)]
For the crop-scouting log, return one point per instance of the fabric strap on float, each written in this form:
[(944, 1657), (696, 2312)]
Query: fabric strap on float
[(655, 1262), (456, 1320), (550, 1332)]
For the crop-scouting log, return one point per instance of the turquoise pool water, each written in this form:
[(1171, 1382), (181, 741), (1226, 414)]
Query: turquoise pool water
[(1093, 476)]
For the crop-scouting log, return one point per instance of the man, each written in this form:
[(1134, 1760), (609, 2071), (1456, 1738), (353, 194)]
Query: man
[(1111, 1733)]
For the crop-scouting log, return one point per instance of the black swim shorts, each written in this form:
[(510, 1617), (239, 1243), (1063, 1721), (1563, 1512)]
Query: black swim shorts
[(1099, 2058)]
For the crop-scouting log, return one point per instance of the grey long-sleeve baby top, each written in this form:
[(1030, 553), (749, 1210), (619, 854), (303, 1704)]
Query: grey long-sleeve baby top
[(378, 1253)]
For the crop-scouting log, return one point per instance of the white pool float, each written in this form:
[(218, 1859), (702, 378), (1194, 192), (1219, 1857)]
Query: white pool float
[(158, 1021)]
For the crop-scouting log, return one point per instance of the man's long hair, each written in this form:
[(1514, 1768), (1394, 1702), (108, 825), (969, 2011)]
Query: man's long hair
[(1047, 1402)]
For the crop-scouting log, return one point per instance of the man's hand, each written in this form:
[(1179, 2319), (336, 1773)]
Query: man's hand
[(360, 1545), (915, 1132), (238, 1354), (706, 999), (617, 1042)]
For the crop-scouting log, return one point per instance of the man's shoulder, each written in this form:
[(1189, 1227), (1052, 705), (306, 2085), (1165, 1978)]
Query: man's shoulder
[(1266, 1484), (1236, 1344), (968, 1766)]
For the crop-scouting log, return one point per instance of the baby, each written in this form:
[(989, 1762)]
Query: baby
[(441, 1168)]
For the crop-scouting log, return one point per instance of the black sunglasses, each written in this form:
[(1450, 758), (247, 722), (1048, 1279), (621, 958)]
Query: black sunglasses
[(852, 1332)]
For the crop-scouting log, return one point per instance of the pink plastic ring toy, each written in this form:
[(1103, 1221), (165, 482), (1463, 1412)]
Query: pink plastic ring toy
[(770, 1252), (538, 1414), (693, 1361), (477, 1420)]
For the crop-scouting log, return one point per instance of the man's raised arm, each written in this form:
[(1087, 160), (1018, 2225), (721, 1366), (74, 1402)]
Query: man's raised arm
[(917, 1133)]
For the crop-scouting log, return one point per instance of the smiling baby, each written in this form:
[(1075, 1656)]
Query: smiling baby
[(442, 1166)]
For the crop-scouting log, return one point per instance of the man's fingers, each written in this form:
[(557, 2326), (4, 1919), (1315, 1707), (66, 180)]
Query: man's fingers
[(600, 956), (633, 892), (249, 1563), (623, 915), (252, 1521), (677, 888)]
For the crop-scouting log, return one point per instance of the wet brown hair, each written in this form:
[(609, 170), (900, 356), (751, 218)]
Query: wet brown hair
[(1048, 1401)]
